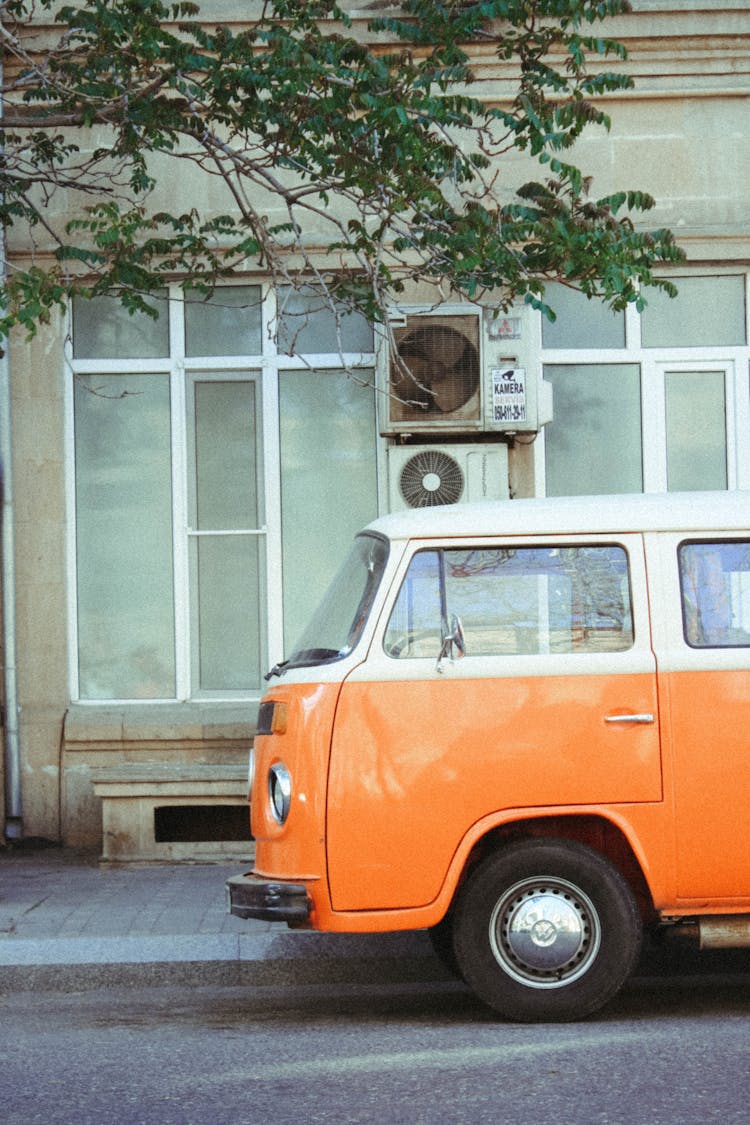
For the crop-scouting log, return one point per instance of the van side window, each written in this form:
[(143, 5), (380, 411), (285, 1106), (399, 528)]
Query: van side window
[(715, 587), (514, 601)]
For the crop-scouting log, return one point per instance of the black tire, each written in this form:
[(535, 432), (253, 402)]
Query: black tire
[(441, 939), (546, 929)]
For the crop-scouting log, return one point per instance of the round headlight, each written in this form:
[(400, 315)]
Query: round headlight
[(279, 791)]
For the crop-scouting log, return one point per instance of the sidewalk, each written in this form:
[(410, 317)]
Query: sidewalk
[(69, 924)]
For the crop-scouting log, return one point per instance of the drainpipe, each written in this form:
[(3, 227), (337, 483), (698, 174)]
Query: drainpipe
[(13, 802)]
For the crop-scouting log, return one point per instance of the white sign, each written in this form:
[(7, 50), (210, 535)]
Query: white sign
[(508, 394)]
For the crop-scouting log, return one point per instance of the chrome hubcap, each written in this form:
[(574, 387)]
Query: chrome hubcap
[(545, 932)]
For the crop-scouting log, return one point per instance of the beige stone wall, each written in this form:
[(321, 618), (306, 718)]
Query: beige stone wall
[(41, 597), (175, 735)]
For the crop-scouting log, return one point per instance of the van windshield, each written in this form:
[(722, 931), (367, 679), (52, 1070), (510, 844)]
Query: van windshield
[(337, 623)]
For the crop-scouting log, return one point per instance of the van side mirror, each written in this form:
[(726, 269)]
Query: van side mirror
[(452, 637)]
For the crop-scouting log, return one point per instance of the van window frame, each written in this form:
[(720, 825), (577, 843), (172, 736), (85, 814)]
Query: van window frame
[(534, 542)]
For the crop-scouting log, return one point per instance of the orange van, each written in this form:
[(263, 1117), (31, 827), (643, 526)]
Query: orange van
[(524, 726)]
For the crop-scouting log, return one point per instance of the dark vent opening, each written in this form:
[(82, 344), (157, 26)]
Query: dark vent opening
[(199, 824)]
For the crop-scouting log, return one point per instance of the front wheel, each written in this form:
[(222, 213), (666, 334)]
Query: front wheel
[(546, 930)]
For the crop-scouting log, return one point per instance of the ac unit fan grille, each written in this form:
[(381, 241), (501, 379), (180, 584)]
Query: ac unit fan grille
[(436, 375), (431, 477)]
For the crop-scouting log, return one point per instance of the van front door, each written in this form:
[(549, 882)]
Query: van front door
[(553, 705)]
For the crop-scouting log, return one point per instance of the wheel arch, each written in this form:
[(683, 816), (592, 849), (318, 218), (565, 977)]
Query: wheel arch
[(595, 831)]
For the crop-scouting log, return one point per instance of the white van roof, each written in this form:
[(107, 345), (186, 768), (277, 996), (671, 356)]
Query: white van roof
[(689, 512)]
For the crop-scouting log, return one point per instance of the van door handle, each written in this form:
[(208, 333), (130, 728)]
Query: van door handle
[(644, 718)]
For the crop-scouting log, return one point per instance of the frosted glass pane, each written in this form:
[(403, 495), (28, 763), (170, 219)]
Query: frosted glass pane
[(226, 323), (707, 310), (104, 329), (580, 323), (328, 482), (228, 610), (696, 430), (124, 537), (226, 482), (305, 324), (594, 443)]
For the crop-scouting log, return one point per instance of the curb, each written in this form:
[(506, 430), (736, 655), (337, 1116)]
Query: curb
[(288, 959), (265, 960)]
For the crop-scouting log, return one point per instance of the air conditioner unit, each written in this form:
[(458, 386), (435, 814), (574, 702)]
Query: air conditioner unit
[(423, 475), (461, 373)]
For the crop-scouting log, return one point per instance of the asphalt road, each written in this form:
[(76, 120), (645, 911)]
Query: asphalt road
[(667, 1050)]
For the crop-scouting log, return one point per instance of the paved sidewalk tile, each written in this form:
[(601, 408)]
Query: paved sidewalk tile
[(56, 893)]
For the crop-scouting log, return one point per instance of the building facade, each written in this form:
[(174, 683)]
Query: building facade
[(183, 488)]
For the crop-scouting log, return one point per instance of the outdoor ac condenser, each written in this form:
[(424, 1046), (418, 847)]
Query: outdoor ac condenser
[(424, 475)]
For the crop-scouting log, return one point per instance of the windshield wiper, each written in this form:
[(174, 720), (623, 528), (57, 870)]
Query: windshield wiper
[(276, 670)]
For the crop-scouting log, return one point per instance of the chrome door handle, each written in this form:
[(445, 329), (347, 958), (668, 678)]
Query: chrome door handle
[(644, 718)]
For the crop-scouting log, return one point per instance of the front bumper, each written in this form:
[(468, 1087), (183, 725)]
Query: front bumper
[(251, 896)]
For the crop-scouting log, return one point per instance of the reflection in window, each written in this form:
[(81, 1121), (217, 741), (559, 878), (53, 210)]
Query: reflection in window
[(580, 322), (104, 329), (515, 601), (715, 585), (306, 323), (228, 322)]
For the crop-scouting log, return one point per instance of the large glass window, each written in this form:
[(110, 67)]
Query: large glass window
[(671, 414), (581, 322), (328, 480), (306, 324), (696, 430), (185, 570), (514, 601), (228, 322), (104, 329), (706, 310), (593, 444), (123, 487), (225, 534)]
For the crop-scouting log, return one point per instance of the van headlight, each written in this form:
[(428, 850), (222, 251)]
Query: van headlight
[(279, 791)]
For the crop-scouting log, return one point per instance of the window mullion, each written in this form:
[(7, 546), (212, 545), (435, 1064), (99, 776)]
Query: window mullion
[(730, 424), (272, 486), (741, 418), (70, 503), (179, 494), (180, 509), (653, 405)]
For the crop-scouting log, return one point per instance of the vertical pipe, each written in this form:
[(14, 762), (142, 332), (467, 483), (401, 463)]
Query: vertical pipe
[(13, 800)]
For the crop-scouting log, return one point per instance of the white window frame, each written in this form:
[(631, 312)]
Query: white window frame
[(265, 367), (733, 361)]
